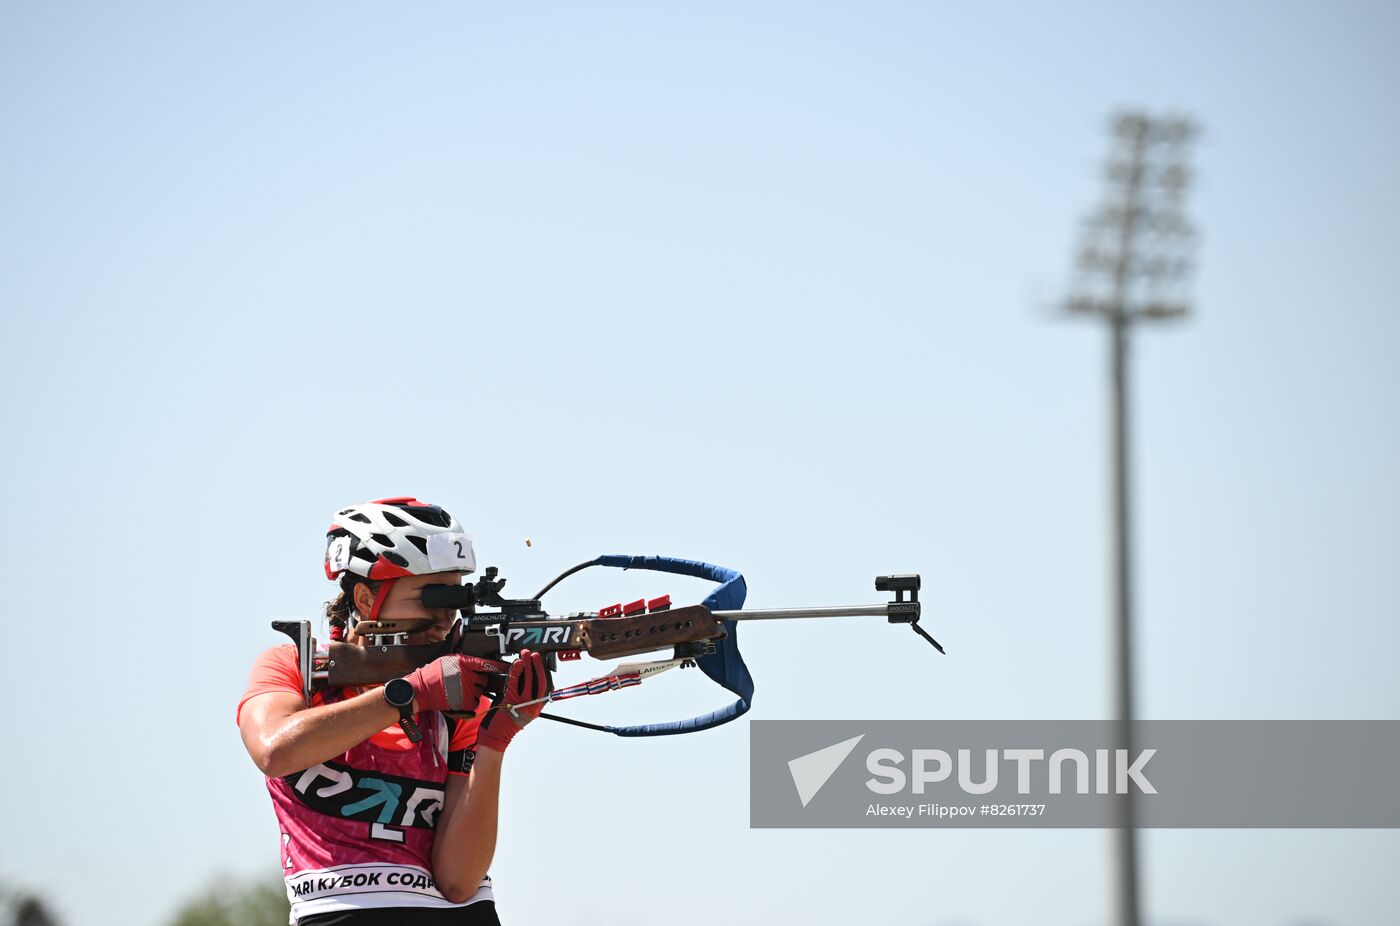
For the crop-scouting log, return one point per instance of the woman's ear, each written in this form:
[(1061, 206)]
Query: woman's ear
[(363, 599)]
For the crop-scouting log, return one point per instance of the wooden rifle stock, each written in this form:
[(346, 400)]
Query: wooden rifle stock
[(349, 664)]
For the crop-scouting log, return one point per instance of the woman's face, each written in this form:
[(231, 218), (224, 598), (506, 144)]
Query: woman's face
[(404, 602)]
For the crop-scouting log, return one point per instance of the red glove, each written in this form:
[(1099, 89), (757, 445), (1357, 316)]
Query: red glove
[(452, 683), (529, 681)]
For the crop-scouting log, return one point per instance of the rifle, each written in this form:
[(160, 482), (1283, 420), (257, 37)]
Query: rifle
[(703, 635)]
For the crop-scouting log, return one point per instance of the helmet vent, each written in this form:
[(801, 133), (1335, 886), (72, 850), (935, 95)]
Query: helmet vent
[(364, 554), (419, 542), (381, 540), (395, 519), (363, 519), (395, 558), (429, 514)]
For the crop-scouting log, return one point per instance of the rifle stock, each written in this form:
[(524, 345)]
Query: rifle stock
[(349, 664), (610, 637)]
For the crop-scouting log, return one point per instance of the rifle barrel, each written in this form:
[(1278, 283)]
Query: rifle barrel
[(777, 614)]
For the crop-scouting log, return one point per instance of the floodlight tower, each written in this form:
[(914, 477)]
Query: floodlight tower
[(1133, 266)]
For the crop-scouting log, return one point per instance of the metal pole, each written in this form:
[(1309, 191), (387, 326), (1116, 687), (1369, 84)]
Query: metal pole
[(1140, 235), (1125, 835)]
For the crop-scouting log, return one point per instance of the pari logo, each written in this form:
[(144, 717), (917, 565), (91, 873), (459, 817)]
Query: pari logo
[(534, 636), (894, 771)]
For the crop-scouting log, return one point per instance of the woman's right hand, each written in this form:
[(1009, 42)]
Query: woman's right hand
[(529, 682), (453, 682)]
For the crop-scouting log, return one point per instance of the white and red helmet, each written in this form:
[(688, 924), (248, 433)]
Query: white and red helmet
[(390, 538)]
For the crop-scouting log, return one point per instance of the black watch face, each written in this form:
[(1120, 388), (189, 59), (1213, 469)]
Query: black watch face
[(398, 692)]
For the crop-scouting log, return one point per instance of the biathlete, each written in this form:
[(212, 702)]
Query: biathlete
[(375, 826)]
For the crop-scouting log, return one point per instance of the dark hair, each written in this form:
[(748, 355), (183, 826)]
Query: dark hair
[(338, 610)]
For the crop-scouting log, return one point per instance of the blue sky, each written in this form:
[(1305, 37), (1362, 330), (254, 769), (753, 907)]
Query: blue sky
[(768, 285)]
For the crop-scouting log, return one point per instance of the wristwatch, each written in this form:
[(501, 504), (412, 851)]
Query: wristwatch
[(398, 694)]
